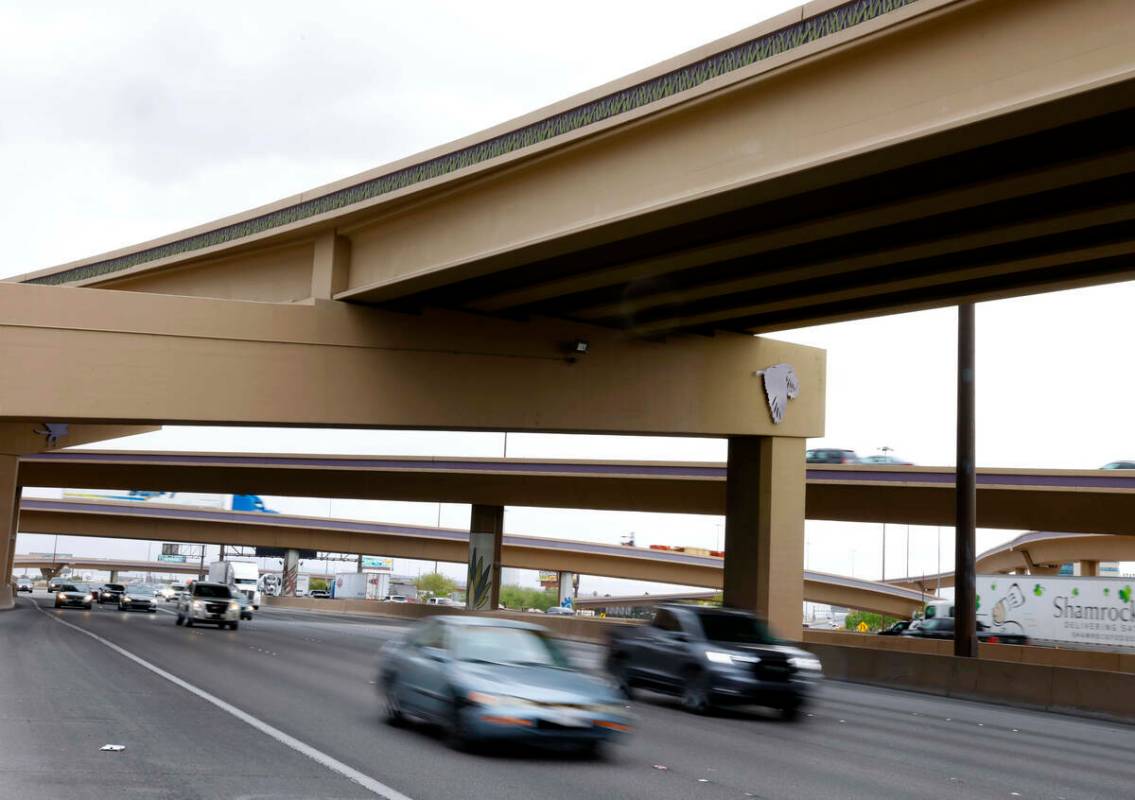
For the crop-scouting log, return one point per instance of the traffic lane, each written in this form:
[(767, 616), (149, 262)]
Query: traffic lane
[(879, 749), (64, 695), (327, 696)]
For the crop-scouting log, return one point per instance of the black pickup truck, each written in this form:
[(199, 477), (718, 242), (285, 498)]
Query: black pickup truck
[(712, 656)]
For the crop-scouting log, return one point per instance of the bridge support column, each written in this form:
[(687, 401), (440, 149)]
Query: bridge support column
[(9, 525), (486, 530), (569, 584), (764, 530), (113, 576), (1089, 569), (291, 573)]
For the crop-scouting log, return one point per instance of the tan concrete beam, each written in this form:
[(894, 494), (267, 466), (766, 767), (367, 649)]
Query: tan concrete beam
[(19, 438), (331, 269), (138, 358)]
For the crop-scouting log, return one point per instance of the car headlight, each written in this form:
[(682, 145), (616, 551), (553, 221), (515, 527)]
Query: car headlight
[(198, 604), (608, 708), (89, 598), (484, 699), (718, 657), (805, 662), (234, 606)]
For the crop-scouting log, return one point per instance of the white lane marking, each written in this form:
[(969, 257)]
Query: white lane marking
[(333, 764)]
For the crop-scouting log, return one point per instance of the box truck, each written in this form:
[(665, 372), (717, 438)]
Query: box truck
[(361, 585), (1065, 610), (244, 575)]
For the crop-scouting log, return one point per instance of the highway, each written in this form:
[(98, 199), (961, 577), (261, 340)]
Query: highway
[(309, 676)]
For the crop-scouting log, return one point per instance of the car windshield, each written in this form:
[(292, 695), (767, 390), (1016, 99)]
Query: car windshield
[(141, 591), (500, 645), (116, 587), (68, 587), (212, 591), (735, 628), (938, 624)]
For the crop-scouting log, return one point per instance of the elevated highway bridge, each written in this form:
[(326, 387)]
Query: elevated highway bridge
[(1089, 501), (602, 264)]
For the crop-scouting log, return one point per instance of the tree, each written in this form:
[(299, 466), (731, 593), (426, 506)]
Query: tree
[(520, 598), (316, 584), (436, 584)]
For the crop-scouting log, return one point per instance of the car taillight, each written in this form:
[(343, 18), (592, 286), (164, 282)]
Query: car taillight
[(993, 640)]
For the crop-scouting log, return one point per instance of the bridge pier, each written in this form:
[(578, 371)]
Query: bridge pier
[(1089, 569), (9, 525), (290, 574), (568, 583), (486, 533), (764, 530)]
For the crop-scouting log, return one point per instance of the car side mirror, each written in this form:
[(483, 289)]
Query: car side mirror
[(435, 654), (681, 636)]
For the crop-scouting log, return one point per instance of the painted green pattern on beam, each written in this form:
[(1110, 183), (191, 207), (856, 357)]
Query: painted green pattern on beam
[(743, 55)]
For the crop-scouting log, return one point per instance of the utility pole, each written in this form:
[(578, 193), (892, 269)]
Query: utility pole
[(884, 574), (965, 491)]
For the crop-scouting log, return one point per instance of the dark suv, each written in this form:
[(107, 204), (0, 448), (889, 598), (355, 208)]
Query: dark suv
[(111, 592), (712, 656), (829, 455)]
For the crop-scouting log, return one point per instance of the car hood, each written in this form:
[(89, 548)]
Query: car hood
[(539, 684), (73, 595), (787, 650)]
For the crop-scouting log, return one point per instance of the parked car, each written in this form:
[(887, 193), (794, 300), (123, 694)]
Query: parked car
[(828, 455), (110, 592), (442, 601), (897, 629), (71, 594), (560, 611), (395, 598), (891, 460), (24, 585), (211, 603), (483, 678), (138, 598), (712, 656), (319, 594)]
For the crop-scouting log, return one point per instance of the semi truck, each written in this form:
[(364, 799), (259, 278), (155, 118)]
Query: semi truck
[(1054, 609), (361, 585), (244, 575)]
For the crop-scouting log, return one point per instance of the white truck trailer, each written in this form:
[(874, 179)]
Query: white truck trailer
[(1066, 610), (361, 585), (244, 575)]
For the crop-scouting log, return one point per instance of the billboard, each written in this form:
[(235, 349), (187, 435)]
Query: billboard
[(378, 562), (1098, 612)]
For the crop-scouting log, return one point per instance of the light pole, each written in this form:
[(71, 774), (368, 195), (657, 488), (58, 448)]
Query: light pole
[(884, 570)]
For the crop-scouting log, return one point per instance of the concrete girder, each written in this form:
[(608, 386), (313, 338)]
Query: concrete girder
[(132, 357)]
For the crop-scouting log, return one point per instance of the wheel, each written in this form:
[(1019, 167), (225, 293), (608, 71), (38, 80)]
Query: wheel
[(394, 714), (695, 693), (180, 620), (457, 735), (87, 606), (789, 713), (234, 625), (188, 621), (152, 610), (620, 672)]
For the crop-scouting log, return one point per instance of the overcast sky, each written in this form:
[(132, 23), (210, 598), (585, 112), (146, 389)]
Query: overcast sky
[(130, 121)]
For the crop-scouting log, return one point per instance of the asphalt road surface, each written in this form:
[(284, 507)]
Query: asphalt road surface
[(286, 707)]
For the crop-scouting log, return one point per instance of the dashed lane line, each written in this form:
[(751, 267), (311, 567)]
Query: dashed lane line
[(331, 763)]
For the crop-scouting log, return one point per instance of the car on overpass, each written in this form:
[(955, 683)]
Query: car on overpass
[(887, 460), (209, 603), (69, 595), (831, 455), (710, 656)]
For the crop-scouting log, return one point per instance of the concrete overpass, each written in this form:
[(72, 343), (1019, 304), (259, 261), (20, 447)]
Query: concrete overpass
[(779, 177), (188, 524), (115, 565), (1038, 553), (1091, 501)]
